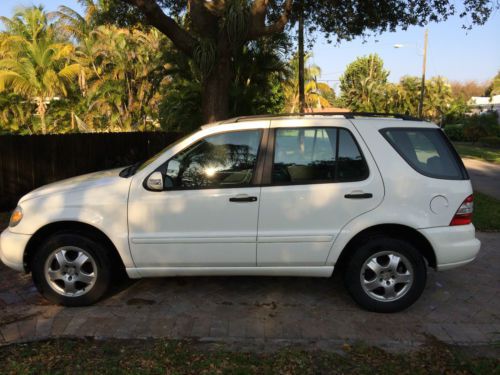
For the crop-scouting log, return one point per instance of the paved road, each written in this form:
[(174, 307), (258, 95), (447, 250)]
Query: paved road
[(485, 176), (458, 306)]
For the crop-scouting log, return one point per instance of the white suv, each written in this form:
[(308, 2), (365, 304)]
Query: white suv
[(378, 198)]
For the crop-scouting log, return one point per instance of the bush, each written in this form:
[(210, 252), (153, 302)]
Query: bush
[(490, 141), (481, 125), (474, 131), (455, 132)]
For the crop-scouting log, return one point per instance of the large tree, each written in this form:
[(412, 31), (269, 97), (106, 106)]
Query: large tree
[(34, 63), (363, 84), (210, 31)]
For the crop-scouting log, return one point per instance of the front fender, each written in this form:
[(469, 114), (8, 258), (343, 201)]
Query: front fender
[(108, 217)]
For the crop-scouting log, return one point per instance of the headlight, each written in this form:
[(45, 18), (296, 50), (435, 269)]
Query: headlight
[(16, 216)]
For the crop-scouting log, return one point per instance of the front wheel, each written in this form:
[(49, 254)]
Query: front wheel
[(385, 274), (71, 269)]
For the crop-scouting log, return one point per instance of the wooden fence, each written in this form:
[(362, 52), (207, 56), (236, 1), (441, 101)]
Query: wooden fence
[(27, 162)]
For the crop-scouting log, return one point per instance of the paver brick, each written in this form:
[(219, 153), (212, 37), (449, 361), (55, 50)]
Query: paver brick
[(250, 310)]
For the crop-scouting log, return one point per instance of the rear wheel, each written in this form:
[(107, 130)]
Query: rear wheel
[(385, 274), (71, 270)]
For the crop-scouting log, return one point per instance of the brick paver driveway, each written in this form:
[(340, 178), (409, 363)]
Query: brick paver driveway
[(458, 306)]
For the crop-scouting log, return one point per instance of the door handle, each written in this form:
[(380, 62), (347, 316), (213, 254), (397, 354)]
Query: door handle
[(242, 199), (359, 196)]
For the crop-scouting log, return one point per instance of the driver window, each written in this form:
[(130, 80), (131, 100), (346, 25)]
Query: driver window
[(222, 160)]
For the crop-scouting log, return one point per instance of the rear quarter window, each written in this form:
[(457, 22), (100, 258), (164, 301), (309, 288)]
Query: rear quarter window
[(428, 151)]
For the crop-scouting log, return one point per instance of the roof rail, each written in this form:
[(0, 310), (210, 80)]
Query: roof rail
[(347, 115)]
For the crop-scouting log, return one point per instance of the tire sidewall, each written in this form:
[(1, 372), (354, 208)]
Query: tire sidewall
[(364, 252), (98, 253)]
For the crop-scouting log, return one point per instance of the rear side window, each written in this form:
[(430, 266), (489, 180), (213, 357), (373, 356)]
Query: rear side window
[(316, 155), (428, 151)]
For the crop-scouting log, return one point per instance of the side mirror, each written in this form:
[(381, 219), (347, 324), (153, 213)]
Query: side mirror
[(155, 181)]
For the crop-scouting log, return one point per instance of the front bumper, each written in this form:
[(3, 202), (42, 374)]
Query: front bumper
[(12, 246), (454, 246)]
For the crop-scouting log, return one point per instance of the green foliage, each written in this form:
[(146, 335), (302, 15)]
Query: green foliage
[(35, 63), (481, 125), (257, 87), (180, 108), (363, 84), (456, 111), (473, 131), (455, 132), (236, 22), (161, 356), (317, 94), (494, 88), (15, 114), (260, 74), (204, 56), (491, 155), (491, 141), (486, 212)]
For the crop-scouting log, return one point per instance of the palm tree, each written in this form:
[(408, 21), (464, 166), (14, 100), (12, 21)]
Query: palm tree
[(131, 69), (35, 64), (317, 94), (15, 114), (438, 98)]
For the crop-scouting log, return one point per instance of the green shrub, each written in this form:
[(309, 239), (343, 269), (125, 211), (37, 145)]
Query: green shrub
[(490, 141), (474, 131), (481, 125), (455, 132)]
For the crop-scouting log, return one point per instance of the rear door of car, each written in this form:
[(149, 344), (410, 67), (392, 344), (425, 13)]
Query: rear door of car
[(318, 176)]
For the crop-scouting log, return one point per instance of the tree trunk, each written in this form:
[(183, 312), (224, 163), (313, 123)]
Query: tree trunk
[(215, 95), (41, 112), (302, 94)]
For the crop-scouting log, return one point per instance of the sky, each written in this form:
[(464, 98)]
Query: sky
[(453, 52)]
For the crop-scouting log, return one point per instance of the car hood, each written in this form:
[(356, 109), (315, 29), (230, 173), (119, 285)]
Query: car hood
[(83, 182)]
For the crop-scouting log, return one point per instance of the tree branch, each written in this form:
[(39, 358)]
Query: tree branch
[(258, 27), (204, 21), (157, 18)]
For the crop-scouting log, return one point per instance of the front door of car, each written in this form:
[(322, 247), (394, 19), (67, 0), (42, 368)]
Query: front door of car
[(206, 216), (319, 177)]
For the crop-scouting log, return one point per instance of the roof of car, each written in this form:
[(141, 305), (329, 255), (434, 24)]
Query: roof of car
[(346, 115)]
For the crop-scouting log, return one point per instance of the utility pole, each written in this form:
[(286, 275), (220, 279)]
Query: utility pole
[(302, 95), (422, 89)]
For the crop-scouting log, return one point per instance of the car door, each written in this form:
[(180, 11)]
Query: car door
[(318, 177), (206, 216)]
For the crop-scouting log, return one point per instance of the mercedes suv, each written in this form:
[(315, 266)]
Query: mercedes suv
[(378, 198)]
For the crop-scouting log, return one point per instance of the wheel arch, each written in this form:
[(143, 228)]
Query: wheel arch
[(71, 227), (398, 231)]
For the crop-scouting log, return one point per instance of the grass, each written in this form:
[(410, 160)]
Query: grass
[(468, 150), (65, 356), (486, 212)]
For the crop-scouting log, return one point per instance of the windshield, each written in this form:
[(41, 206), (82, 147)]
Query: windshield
[(134, 168)]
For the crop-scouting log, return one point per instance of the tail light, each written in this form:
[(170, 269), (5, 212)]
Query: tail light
[(463, 215)]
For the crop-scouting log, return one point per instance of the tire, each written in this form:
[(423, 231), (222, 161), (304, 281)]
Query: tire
[(71, 269), (385, 274)]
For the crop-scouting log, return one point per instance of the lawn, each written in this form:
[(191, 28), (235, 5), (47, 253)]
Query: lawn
[(486, 212), (167, 357), (468, 150)]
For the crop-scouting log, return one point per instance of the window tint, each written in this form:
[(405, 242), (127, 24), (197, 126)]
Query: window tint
[(351, 165), (305, 155), (223, 160), (427, 151)]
